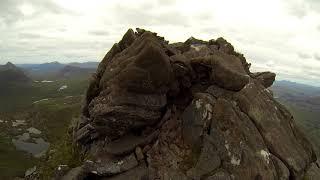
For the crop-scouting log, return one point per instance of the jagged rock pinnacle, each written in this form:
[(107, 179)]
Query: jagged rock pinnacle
[(190, 110)]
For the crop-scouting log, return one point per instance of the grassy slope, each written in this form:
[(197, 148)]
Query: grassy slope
[(308, 120), (18, 96), (52, 117), (303, 102)]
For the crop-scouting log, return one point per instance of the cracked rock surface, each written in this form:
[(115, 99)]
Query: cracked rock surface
[(190, 110)]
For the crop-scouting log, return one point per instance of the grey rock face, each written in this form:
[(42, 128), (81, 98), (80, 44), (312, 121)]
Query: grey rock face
[(189, 110), (313, 172), (276, 126)]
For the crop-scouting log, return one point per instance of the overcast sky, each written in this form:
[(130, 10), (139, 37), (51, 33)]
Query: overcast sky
[(282, 36)]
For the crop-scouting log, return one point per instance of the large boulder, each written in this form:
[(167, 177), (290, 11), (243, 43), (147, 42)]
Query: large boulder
[(276, 126), (264, 78), (132, 88), (189, 110)]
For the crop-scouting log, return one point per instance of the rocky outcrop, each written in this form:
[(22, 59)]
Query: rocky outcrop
[(190, 110)]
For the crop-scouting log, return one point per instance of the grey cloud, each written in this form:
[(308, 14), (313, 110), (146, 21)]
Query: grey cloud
[(62, 29), (48, 6), (310, 72), (99, 33), (298, 11), (10, 13), (58, 48), (314, 4), (302, 8), (166, 2), (245, 40), (210, 30), (141, 16), (314, 73), (29, 35), (172, 18), (131, 15), (303, 55), (204, 16)]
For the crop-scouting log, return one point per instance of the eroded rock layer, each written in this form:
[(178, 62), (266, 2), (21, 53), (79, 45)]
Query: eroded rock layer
[(190, 110)]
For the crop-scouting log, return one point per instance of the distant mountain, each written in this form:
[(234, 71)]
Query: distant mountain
[(9, 73), (40, 71), (41, 67), (74, 71), (93, 65), (57, 65), (53, 69), (52, 66), (297, 88), (302, 95)]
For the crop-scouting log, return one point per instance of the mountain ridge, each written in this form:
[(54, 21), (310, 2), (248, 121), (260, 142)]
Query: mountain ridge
[(53, 70), (9, 73), (75, 71)]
